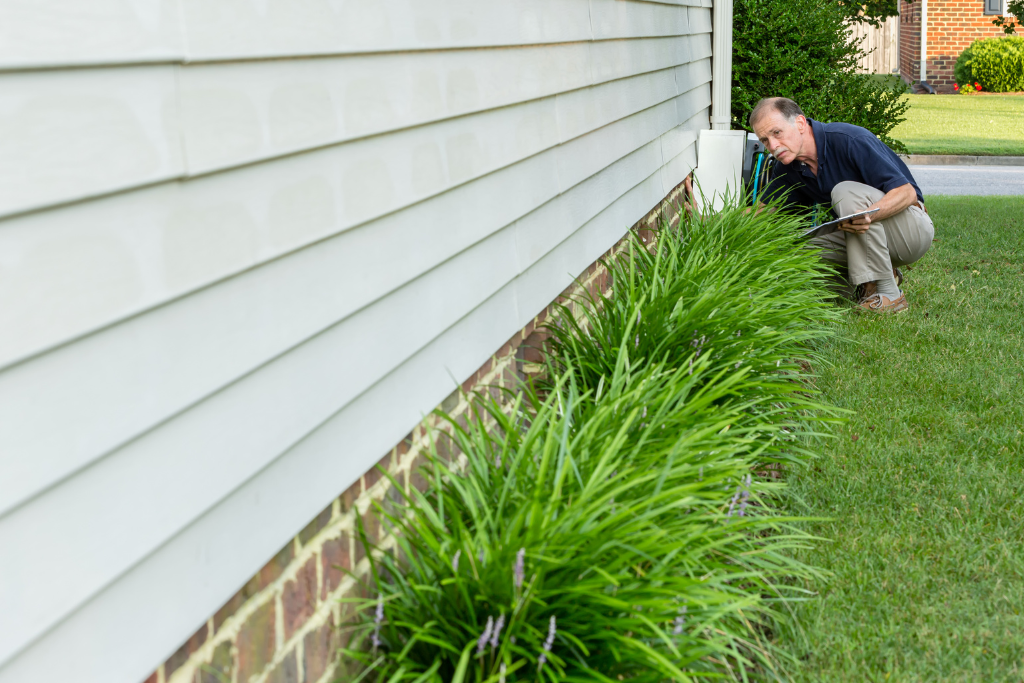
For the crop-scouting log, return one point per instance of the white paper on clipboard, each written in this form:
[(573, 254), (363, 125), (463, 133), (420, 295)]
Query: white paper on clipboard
[(832, 226)]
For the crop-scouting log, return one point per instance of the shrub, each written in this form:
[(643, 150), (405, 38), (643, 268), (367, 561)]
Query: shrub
[(996, 63), (801, 49), (611, 523)]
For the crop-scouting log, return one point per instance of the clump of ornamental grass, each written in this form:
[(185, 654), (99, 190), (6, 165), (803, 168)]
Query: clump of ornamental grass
[(586, 540), (742, 289), (609, 524)]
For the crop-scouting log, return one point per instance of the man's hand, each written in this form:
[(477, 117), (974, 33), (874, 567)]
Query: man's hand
[(859, 225), (892, 203)]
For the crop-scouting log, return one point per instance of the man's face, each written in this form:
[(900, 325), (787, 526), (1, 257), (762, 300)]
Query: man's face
[(785, 140)]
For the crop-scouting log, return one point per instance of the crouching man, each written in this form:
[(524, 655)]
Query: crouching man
[(847, 167)]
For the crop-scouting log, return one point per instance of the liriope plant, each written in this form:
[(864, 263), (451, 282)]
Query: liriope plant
[(586, 540), (610, 525), (741, 287)]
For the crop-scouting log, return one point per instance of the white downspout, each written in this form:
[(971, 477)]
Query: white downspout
[(899, 37), (721, 66), (924, 41)]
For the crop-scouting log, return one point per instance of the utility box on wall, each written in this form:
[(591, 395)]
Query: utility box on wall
[(719, 172)]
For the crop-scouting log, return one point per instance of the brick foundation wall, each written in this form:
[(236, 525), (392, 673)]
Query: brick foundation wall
[(910, 40), (952, 26), (282, 626)]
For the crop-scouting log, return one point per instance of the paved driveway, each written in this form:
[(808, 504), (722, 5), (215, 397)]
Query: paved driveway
[(969, 179)]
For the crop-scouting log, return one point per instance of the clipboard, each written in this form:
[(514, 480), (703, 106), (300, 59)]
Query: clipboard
[(832, 226)]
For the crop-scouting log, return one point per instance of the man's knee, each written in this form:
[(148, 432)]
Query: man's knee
[(851, 196)]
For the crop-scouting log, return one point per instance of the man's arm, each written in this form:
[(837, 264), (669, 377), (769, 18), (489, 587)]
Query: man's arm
[(894, 201)]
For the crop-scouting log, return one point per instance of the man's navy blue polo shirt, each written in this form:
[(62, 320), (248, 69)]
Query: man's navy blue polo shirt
[(845, 152)]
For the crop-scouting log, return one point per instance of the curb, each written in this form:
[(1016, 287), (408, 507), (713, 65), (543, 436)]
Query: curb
[(961, 160)]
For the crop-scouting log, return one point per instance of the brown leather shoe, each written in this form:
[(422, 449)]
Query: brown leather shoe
[(876, 303)]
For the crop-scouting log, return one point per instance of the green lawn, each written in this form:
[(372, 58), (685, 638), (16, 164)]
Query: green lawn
[(963, 124), (925, 484)]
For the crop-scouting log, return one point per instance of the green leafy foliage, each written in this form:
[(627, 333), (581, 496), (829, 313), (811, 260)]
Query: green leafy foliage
[(872, 12), (1010, 24), (997, 64), (801, 49), (617, 519)]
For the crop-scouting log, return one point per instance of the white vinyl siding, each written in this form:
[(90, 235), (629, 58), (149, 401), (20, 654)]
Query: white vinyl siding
[(246, 245)]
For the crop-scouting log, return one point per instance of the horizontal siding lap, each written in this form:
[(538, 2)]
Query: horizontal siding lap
[(71, 32), (248, 328), (200, 333), (568, 259), (239, 30), (283, 107), (56, 34), (540, 231), (235, 327), (582, 157), (148, 241), (250, 112), (694, 73), (700, 20), (70, 134), (100, 492), (618, 19)]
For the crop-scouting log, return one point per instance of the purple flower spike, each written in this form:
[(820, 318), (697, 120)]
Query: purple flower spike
[(496, 635), (552, 630), (378, 618), (518, 571), (485, 637), (455, 561), (677, 629), (732, 503)]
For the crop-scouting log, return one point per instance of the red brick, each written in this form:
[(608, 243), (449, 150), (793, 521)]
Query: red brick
[(298, 598), (256, 642), (334, 555), (318, 523), (220, 667), (318, 650), (286, 671), (351, 495), (175, 661), (273, 569)]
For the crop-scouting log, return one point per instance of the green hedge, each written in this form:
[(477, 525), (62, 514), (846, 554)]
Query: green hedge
[(997, 64), (615, 522), (801, 49)]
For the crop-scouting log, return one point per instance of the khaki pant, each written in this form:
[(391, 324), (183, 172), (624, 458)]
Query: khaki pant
[(896, 241)]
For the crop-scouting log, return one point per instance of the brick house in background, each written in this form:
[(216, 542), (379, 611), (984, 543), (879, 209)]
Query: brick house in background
[(950, 26)]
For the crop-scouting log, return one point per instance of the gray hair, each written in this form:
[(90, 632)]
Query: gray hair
[(783, 105)]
